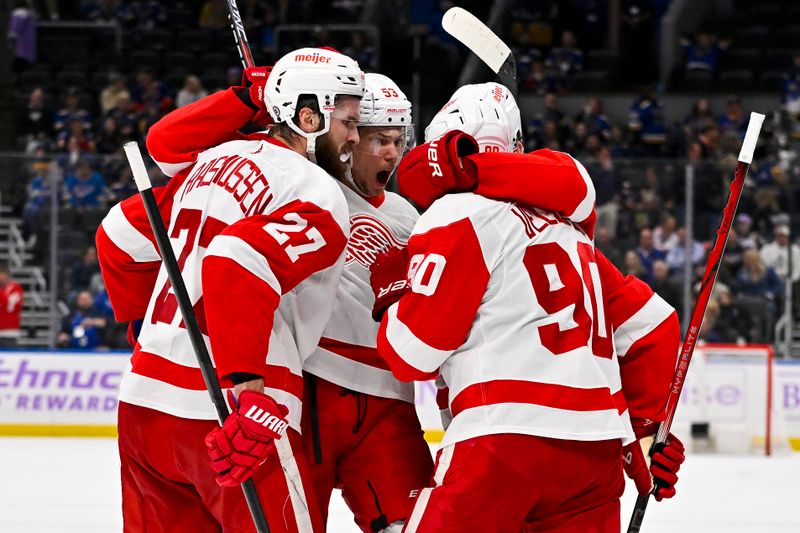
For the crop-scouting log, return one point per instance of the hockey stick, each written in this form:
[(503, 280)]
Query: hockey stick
[(706, 286), (142, 180), (239, 35), (483, 42)]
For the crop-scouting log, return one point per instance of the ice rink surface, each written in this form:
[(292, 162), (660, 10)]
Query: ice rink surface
[(72, 485)]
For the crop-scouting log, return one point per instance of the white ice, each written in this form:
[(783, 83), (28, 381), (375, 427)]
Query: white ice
[(72, 485)]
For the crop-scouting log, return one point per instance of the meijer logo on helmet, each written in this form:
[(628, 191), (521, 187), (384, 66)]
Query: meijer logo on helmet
[(315, 58)]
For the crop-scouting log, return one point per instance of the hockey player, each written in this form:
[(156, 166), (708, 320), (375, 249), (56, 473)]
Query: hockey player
[(260, 233), (522, 278), (360, 428)]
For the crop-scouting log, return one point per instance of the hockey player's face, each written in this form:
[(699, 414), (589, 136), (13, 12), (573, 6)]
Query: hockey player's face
[(335, 148), (376, 156)]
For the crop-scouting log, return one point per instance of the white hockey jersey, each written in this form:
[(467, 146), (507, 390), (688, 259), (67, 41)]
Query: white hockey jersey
[(347, 353), (506, 305), (259, 233)]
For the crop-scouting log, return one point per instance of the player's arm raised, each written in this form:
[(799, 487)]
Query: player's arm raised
[(175, 141), (447, 276)]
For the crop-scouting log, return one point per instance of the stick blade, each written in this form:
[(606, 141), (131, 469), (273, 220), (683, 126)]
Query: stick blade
[(477, 36)]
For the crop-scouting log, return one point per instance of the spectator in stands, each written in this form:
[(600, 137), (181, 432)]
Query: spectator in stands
[(700, 115), (11, 297), (757, 279), (734, 122), (192, 91), (605, 243), (85, 188), (708, 141), (646, 121), (567, 59), (72, 111), (22, 36), (665, 235), (533, 77), (604, 177), (149, 90), (112, 93), (791, 90), (34, 121), (75, 130), (618, 142), (647, 251), (123, 187), (84, 271), (84, 327), (676, 256), (596, 121), (109, 138), (38, 190), (124, 114), (361, 51), (632, 266), (776, 254), (734, 323), (666, 286), (703, 53), (744, 231), (270, 20)]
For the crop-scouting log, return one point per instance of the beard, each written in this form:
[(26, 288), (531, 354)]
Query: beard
[(328, 158)]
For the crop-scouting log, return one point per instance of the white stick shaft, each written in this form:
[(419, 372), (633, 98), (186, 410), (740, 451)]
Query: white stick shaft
[(137, 166), (750, 138)]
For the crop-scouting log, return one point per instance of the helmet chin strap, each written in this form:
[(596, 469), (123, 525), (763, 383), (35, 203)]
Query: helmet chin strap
[(311, 148)]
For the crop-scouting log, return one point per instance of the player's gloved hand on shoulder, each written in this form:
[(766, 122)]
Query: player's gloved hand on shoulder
[(431, 170), (253, 93), (388, 279), (661, 467), (242, 443)]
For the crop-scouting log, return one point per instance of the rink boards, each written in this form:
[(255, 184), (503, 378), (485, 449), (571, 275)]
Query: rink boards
[(75, 394)]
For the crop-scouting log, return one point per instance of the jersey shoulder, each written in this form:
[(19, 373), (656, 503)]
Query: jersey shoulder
[(400, 209), (454, 207), (293, 177)]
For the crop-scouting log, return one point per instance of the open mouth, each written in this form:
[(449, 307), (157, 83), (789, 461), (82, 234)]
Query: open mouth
[(383, 177)]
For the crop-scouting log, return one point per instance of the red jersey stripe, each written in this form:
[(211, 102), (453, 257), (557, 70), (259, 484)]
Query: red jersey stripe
[(360, 354), (545, 394), (156, 367)]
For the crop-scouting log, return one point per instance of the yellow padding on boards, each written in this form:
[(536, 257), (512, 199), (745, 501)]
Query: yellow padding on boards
[(23, 430)]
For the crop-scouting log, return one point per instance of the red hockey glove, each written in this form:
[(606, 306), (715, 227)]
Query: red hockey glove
[(662, 467), (254, 80), (388, 279), (431, 170), (243, 442)]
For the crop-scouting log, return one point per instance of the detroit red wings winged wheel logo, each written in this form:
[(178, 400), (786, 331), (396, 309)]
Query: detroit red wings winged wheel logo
[(369, 237)]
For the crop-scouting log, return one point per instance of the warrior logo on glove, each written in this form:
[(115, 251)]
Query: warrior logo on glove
[(267, 419)]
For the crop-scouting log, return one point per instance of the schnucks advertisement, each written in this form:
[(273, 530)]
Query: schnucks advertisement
[(75, 393), (54, 393)]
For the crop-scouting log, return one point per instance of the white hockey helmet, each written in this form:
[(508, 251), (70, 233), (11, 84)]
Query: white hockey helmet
[(319, 72), (487, 111), (384, 104)]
